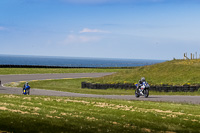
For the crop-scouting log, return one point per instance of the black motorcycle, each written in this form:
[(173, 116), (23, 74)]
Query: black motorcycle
[(142, 90)]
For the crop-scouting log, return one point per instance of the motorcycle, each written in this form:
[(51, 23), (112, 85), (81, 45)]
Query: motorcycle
[(142, 90), (26, 90)]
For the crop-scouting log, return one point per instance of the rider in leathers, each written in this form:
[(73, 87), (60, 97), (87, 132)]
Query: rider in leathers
[(141, 82)]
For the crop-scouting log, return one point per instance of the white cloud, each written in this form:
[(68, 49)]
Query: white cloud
[(72, 39), (86, 30)]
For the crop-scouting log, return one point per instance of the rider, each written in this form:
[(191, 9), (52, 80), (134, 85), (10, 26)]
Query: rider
[(141, 82), (26, 87)]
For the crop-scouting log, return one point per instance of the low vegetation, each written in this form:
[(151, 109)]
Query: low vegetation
[(20, 113), (5, 71), (176, 72)]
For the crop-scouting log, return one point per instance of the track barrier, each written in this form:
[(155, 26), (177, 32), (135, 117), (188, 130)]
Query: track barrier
[(159, 88)]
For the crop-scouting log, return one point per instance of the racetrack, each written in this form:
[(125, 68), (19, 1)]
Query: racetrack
[(15, 78)]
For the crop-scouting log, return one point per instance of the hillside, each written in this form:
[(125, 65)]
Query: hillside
[(176, 72)]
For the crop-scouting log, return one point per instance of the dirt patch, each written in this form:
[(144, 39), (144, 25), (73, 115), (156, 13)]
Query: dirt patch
[(63, 113), (4, 131), (49, 116), (29, 103), (91, 118), (113, 106), (194, 120), (146, 130), (27, 98), (52, 112), (35, 113), (169, 132), (10, 96), (36, 108), (19, 111), (162, 111), (12, 110), (7, 104), (59, 100), (47, 99), (57, 117), (115, 123), (3, 108), (76, 101)]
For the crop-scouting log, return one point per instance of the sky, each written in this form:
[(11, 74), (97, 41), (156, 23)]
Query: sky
[(131, 29)]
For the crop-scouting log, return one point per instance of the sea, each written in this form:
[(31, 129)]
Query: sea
[(73, 61)]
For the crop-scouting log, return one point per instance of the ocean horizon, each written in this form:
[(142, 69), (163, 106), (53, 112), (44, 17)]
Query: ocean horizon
[(73, 61)]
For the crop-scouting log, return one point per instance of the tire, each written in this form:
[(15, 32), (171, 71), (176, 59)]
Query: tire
[(136, 93), (146, 93), (27, 92), (23, 92)]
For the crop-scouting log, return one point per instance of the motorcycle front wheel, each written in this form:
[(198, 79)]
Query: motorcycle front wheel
[(137, 93), (146, 93)]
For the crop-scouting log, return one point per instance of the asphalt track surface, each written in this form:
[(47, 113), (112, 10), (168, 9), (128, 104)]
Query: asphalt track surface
[(25, 77)]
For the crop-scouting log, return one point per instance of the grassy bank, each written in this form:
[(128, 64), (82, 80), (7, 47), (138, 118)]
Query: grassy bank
[(5, 71), (74, 85), (64, 114), (176, 72)]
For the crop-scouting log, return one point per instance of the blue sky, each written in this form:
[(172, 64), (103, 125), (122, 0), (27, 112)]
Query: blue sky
[(135, 29)]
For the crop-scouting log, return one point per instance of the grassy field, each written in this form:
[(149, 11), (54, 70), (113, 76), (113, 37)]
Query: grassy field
[(20, 113), (74, 85), (176, 72), (5, 71)]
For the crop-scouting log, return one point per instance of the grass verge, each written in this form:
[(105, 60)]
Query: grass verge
[(64, 114), (74, 85), (6, 71), (176, 72)]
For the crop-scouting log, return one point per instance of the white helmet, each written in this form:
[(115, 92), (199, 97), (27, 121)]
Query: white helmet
[(142, 79)]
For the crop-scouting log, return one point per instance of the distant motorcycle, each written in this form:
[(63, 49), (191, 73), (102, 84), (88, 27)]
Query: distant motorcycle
[(142, 90), (26, 90)]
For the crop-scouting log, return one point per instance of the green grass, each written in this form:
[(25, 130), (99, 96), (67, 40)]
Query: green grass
[(20, 113), (176, 72), (5, 71), (74, 85), (70, 85)]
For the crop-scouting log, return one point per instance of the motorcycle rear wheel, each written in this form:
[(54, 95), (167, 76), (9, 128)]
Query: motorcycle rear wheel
[(27, 92)]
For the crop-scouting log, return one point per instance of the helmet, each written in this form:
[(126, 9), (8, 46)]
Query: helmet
[(142, 79)]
